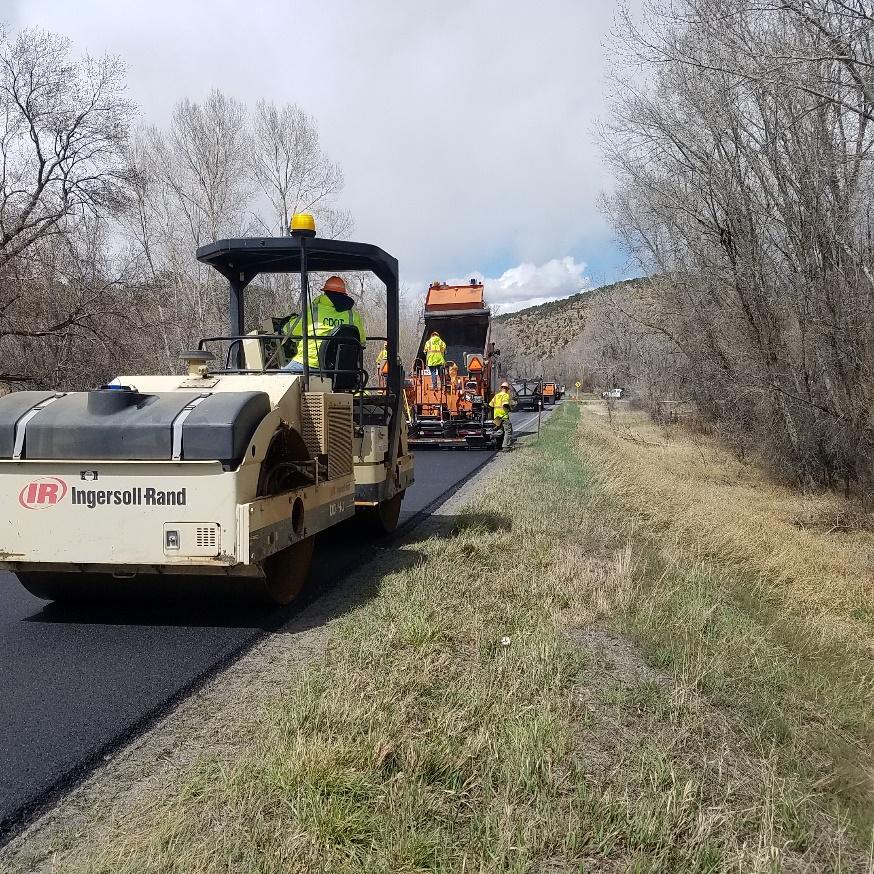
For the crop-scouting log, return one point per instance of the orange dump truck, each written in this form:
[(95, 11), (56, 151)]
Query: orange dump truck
[(550, 391), (450, 409)]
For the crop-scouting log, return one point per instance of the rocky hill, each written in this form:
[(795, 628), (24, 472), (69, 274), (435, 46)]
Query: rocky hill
[(548, 340)]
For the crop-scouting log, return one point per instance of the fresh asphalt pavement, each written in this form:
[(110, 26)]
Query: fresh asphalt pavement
[(75, 683)]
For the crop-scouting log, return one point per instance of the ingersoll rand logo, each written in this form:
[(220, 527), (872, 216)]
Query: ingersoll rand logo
[(42, 493), (47, 491)]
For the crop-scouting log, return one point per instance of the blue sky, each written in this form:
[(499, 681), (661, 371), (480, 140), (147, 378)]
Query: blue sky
[(465, 127)]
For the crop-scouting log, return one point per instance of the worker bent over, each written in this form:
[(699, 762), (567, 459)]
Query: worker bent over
[(330, 309), (501, 403), (435, 358)]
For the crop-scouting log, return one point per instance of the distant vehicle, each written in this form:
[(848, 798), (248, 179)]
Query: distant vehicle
[(527, 394), (549, 392), (613, 394)]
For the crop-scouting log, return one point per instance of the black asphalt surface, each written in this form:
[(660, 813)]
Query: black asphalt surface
[(76, 682)]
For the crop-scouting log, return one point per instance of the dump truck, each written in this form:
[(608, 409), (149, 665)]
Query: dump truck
[(451, 409), (550, 391), (217, 479), (527, 394)]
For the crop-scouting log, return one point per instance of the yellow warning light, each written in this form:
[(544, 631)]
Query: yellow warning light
[(303, 223)]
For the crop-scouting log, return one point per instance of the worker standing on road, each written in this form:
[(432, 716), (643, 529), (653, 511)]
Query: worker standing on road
[(435, 357), (333, 307), (382, 363), (501, 403)]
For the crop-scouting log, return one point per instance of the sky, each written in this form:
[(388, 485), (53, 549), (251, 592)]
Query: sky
[(465, 128)]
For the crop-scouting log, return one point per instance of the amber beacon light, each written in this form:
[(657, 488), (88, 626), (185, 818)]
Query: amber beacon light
[(303, 225)]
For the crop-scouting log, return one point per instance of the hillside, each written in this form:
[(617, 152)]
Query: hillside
[(547, 340)]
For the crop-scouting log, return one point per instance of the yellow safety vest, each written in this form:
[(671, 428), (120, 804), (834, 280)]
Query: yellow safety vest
[(434, 349), (324, 317), (382, 363), (499, 402)]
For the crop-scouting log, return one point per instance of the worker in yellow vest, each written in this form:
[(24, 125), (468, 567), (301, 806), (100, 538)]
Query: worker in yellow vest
[(333, 307), (500, 403), (435, 357), (382, 363)]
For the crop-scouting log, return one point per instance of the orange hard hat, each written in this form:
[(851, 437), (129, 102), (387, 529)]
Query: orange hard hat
[(336, 284)]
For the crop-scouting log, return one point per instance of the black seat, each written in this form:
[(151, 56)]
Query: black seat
[(341, 356)]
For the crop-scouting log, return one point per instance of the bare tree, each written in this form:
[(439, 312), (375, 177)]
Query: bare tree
[(208, 148), (63, 168), (290, 166), (193, 187), (63, 129), (98, 230), (221, 172), (745, 180)]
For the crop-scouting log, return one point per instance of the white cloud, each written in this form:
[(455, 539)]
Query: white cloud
[(528, 284)]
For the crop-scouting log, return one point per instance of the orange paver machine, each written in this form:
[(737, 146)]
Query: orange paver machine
[(450, 408)]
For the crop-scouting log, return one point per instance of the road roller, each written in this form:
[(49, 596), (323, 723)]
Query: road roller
[(218, 477)]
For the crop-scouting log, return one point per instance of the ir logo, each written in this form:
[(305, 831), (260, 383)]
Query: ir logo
[(42, 493)]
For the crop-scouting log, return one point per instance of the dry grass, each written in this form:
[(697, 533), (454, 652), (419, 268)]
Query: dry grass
[(695, 487), (758, 596), (481, 713)]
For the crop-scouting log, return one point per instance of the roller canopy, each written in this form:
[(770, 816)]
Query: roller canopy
[(241, 260)]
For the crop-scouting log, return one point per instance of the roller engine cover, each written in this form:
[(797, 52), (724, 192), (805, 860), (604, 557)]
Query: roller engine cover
[(118, 425)]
